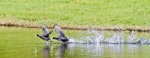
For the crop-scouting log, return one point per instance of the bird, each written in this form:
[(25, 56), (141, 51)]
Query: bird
[(61, 36), (45, 35)]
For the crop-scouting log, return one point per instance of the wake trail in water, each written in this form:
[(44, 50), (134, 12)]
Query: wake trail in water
[(117, 38)]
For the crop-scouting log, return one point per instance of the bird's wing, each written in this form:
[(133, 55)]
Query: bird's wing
[(61, 34), (45, 30), (59, 31)]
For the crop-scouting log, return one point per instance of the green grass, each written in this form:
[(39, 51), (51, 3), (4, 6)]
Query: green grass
[(99, 13)]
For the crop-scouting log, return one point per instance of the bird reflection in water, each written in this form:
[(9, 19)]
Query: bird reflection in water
[(61, 50), (46, 51)]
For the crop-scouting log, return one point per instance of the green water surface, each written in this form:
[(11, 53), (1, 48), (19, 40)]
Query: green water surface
[(22, 43)]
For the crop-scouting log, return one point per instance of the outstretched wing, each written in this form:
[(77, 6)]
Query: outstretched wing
[(61, 34), (59, 31), (45, 30)]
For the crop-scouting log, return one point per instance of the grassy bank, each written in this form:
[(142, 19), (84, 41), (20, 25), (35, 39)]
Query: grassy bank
[(77, 13)]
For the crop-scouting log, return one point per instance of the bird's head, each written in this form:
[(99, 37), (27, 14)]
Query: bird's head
[(57, 27), (36, 35), (44, 26)]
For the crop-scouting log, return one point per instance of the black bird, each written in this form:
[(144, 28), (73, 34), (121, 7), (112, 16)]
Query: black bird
[(45, 35), (61, 35)]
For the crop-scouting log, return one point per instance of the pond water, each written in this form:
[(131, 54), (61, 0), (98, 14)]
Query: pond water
[(22, 43)]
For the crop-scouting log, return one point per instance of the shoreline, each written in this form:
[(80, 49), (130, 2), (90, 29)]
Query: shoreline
[(78, 28)]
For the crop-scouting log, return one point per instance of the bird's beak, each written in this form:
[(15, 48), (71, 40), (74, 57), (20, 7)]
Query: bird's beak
[(35, 35)]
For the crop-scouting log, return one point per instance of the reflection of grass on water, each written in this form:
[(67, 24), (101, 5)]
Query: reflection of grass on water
[(85, 13), (21, 43), (17, 42)]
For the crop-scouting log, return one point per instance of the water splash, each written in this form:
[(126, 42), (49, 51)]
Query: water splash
[(131, 37), (117, 38), (96, 37)]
